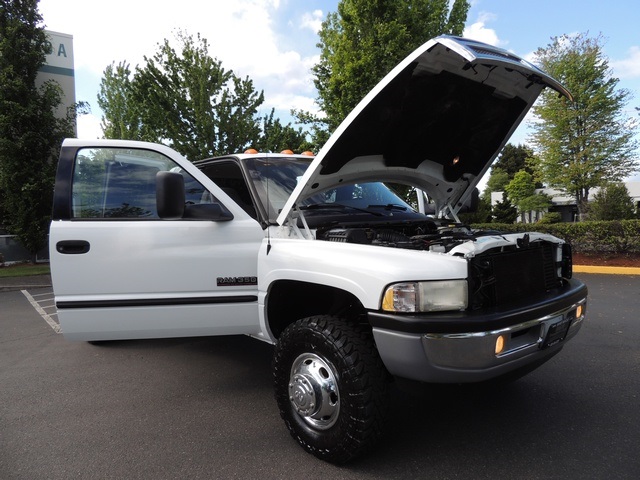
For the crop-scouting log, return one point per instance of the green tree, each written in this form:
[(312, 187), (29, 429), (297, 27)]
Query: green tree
[(520, 187), (276, 137), (182, 97), (504, 211), (521, 192), (588, 142), (30, 132), (612, 202), (363, 40), (121, 117), (511, 160), (514, 158), (496, 183), (187, 99)]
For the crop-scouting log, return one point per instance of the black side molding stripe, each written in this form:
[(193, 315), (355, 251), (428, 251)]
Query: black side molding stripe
[(157, 302)]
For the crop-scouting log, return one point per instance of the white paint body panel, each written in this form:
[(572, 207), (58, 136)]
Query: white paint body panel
[(147, 277), (156, 260), (362, 270)]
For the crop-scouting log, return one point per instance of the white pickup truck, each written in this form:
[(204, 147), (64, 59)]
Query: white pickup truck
[(318, 257)]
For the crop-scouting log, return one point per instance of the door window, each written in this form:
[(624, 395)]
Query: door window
[(115, 183)]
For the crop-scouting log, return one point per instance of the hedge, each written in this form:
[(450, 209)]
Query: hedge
[(611, 237)]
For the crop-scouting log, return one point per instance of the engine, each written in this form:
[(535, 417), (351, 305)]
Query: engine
[(416, 236), (496, 276)]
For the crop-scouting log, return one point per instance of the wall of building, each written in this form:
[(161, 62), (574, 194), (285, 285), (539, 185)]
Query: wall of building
[(566, 206), (59, 67)]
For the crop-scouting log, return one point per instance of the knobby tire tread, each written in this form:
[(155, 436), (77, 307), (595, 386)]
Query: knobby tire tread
[(364, 385)]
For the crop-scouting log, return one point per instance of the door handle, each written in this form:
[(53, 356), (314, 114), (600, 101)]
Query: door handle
[(72, 247)]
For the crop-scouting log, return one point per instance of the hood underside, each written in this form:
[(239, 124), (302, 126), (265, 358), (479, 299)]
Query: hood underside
[(435, 122)]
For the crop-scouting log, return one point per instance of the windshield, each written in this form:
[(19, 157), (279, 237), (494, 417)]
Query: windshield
[(275, 179)]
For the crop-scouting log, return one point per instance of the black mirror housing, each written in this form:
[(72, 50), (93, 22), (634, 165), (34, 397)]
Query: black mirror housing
[(170, 195), (170, 201), (207, 211)]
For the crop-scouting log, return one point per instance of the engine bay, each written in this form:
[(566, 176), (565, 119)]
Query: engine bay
[(495, 275), (432, 234)]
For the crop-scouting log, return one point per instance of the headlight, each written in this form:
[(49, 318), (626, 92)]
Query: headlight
[(435, 296)]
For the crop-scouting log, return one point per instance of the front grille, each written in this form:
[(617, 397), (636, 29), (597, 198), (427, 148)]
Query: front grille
[(497, 278)]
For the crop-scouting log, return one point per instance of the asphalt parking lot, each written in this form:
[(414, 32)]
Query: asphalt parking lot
[(203, 407)]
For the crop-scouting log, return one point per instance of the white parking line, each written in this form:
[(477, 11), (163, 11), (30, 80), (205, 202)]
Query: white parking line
[(47, 317)]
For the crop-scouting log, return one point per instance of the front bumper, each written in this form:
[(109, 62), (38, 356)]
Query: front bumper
[(460, 347)]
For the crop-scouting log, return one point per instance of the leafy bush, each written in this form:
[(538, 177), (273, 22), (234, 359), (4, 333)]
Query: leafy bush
[(610, 237), (612, 203), (550, 217)]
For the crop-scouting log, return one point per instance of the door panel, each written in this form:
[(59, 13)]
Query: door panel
[(121, 272)]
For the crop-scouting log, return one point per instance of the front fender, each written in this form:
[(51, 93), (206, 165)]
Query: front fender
[(362, 270)]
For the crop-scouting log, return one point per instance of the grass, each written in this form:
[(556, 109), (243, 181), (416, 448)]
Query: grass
[(23, 270)]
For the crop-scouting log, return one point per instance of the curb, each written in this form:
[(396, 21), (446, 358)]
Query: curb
[(13, 288), (606, 270), (9, 284)]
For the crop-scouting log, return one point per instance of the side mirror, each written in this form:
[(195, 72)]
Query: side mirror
[(170, 196), (170, 201), (208, 211)]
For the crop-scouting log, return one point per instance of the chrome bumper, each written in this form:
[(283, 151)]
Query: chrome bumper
[(473, 356)]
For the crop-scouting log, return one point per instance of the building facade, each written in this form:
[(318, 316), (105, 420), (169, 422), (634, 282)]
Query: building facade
[(59, 67), (566, 206)]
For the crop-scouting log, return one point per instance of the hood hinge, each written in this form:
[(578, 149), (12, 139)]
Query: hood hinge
[(292, 220)]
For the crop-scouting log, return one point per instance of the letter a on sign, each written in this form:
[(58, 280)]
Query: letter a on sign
[(61, 51)]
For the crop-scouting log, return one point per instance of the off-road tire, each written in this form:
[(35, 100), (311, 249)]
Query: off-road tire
[(339, 352)]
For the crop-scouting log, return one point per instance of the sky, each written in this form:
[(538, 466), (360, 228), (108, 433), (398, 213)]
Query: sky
[(274, 42)]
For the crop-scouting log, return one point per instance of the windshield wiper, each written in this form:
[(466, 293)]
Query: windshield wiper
[(337, 206), (389, 206)]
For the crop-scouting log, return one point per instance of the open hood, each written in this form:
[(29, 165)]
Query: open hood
[(436, 121)]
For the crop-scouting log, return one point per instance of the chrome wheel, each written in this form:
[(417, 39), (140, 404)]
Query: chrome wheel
[(313, 391), (331, 386)]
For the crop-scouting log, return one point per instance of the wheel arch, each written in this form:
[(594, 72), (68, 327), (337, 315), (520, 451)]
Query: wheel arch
[(291, 300)]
